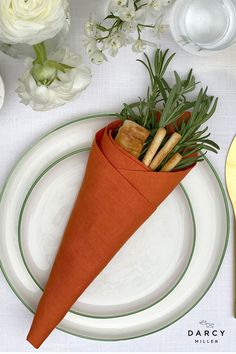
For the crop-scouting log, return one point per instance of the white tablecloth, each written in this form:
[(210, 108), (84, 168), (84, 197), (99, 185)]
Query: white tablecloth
[(117, 81)]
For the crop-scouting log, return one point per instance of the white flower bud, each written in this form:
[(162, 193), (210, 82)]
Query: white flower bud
[(138, 46), (43, 73)]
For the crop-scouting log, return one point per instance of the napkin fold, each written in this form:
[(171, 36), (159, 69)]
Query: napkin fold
[(117, 195)]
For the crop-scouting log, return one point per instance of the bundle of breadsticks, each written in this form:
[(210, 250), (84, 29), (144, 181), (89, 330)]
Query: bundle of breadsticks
[(131, 137), (134, 164)]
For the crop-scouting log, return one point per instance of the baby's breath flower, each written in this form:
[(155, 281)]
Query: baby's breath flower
[(166, 2), (138, 46), (128, 27), (159, 27), (126, 14), (117, 40), (97, 57), (91, 27), (91, 45), (119, 2), (155, 5), (123, 25)]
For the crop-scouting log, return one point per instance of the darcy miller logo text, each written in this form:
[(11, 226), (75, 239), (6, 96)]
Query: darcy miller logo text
[(207, 334)]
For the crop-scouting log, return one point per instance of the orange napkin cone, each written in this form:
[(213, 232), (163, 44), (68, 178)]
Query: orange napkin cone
[(117, 195)]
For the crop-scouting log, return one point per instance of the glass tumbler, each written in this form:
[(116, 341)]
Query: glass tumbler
[(204, 25)]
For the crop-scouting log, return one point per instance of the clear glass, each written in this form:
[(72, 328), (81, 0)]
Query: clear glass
[(208, 25), (20, 51)]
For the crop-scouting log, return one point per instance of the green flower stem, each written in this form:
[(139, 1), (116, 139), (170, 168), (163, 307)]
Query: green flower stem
[(139, 28), (41, 53), (118, 23), (139, 7), (136, 4), (147, 26)]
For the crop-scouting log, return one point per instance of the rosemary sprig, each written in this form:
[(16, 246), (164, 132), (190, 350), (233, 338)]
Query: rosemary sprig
[(171, 102)]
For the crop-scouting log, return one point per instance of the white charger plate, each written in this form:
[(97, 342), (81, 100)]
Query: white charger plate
[(156, 269)]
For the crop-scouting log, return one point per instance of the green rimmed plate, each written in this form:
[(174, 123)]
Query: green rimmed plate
[(211, 213), (145, 270)]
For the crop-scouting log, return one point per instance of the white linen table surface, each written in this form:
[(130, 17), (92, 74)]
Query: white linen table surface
[(120, 80)]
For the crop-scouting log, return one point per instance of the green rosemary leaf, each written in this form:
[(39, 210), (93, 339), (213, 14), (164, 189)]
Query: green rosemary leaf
[(172, 102), (166, 85), (149, 64), (166, 64), (149, 71), (161, 88)]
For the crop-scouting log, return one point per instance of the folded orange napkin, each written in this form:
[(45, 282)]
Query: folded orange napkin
[(117, 195)]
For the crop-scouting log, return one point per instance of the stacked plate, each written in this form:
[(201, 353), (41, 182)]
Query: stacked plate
[(2, 92), (157, 277)]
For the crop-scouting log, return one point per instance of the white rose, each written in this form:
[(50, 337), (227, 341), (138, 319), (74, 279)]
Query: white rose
[(31, 21), (62, 90)]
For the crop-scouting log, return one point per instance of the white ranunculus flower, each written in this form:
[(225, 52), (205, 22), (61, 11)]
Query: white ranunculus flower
[(62, 90), (31, 21)]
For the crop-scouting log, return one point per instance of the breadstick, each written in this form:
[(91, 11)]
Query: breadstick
[(131, 137), (172, 163), (161, 155), (154, 146)]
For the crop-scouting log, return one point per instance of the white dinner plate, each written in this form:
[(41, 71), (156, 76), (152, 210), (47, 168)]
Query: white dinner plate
[(159, 274), (2, 92), (146, 269)]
